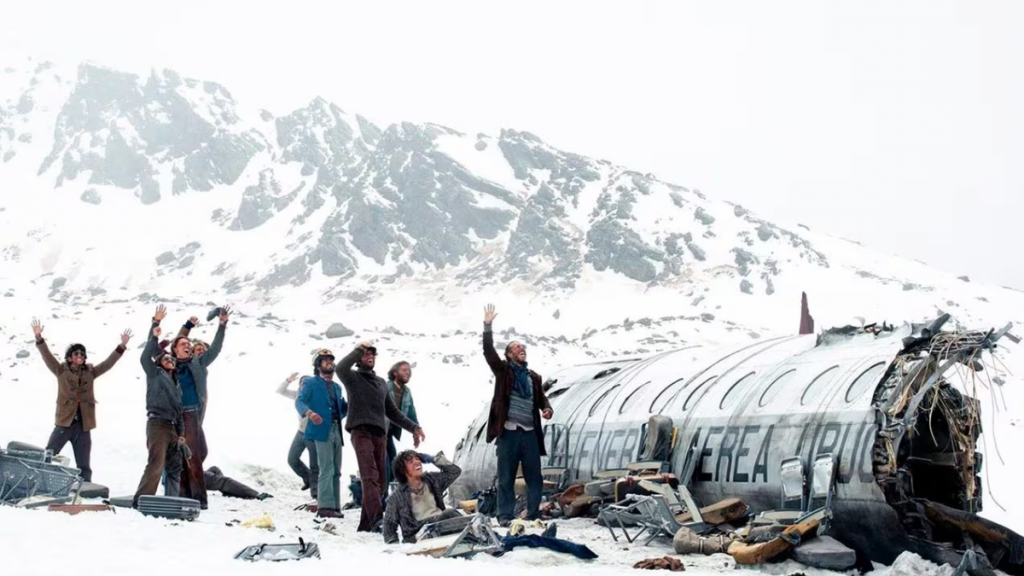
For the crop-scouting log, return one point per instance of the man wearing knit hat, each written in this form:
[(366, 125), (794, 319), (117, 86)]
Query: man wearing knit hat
[(76, 401)]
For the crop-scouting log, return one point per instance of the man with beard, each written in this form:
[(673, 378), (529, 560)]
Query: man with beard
[(191, 375), (164, 426), (398, 388), (514, 422), (370, 409), (76, 401), (320, 401)]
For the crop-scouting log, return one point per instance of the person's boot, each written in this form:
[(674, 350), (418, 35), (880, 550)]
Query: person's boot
[(329, 513)]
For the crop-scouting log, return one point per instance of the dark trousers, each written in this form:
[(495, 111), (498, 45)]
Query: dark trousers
[(371, 453), (310, 474), (389, 461), (216, 480), (193, 484), (81, 443), (515, 448), (162, 444)]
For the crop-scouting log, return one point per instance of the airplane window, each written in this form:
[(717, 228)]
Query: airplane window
[(693, 395), (558, 393), (817, 385), (601, 399), (735, 388), (772, 390), (607, 372), (867, 379), (632, 398), (662, 393)]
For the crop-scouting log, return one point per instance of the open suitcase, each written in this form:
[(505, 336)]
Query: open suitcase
[(170, 507), (280, 552)]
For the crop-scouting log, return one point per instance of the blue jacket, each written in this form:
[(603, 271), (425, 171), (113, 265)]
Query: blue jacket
[(313, 396)]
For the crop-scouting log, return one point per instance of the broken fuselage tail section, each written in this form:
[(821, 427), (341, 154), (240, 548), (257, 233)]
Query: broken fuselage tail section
[(806, 320), (876, 399)]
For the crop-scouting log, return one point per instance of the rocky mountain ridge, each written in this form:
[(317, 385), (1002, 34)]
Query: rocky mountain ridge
[(406, 198), (322, 203)]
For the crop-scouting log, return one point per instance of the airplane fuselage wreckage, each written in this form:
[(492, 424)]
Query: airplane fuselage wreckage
[(862, 422)]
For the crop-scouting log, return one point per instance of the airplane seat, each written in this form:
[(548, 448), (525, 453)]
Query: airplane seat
[(793, 477), (660, 436), (555, 478)]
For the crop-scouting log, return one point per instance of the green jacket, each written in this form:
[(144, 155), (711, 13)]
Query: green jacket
[(408, 408)]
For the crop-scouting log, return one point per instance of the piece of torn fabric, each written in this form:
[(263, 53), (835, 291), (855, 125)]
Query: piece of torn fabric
[(556, 544), (264, 522), (663, 563)]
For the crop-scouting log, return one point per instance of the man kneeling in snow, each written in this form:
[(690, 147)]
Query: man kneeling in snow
[(419, 499)]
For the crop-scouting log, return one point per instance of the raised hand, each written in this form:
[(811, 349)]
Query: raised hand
[(156, 331), (193, 321), (225, 312), (125, 337), (37, 329), (161, 311), (489, 314), (293, 377), (366, 344)]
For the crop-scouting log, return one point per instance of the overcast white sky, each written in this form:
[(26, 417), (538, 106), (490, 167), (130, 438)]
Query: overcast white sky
[(898, 124)]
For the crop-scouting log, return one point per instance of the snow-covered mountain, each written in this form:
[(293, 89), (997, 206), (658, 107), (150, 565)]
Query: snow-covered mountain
[(182, 182), (121, 191)]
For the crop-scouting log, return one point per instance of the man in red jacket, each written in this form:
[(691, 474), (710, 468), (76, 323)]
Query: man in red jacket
[(514, 422)]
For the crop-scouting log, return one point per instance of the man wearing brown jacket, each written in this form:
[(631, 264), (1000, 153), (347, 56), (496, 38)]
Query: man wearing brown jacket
[(76, 401), (514, 422)]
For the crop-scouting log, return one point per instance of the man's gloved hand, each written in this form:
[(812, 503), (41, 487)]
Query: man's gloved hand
[(426, 458)]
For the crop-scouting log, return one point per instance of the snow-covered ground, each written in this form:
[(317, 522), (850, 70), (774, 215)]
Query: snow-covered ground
[(249, 429)]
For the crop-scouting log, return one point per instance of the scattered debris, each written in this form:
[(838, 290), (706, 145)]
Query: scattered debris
[(663, 563), (279, 552)]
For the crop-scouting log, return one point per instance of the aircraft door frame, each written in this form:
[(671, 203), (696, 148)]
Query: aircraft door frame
[(558, 453)]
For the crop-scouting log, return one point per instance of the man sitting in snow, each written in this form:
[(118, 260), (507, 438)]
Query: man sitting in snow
[(419, 499)]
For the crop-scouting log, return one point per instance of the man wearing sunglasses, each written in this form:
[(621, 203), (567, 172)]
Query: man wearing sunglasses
[(371, 410), (76, 401)]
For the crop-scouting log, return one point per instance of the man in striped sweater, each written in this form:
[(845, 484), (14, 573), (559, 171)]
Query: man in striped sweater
[(514, 422)]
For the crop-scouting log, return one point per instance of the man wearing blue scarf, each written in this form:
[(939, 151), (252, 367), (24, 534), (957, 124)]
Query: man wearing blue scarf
[(514, 423)]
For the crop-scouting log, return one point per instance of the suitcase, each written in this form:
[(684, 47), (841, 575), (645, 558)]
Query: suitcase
[(170, 507), (280, 552)]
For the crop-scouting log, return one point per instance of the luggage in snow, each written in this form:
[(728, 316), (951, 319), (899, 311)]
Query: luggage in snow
[(279, 552), (170, 507)]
